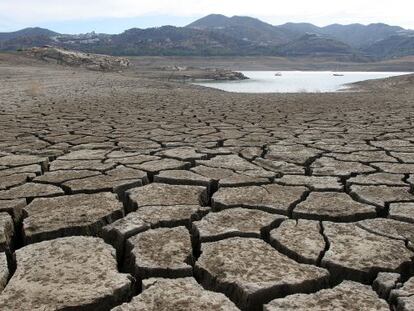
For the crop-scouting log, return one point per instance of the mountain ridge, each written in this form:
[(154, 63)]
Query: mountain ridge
[(219, 35)]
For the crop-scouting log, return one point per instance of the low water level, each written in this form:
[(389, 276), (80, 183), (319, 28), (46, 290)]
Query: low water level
[(296, 81)]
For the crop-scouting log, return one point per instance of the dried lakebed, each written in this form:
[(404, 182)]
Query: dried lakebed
[(120, 193)]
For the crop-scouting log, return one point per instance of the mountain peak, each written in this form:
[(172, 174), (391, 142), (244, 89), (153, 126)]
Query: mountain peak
[(210, 21)]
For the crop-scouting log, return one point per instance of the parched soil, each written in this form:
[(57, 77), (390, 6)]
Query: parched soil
[(119, 191)]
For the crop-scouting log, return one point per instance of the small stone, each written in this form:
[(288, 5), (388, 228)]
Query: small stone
[(251, 152), (269, 198), (346, 296), (177, 294), (251, 272), (73, 273), (333, 206), (81, 214), (163, 252), (384, 283), (235, 222), (300, 239)]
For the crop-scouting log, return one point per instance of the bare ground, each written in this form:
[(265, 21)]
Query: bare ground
[(265, 196)]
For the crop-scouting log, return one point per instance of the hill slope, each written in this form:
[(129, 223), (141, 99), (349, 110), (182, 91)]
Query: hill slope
[(245, 28), (391, 47), (355, 35), (27, 32), (315, 45), (238, 35)]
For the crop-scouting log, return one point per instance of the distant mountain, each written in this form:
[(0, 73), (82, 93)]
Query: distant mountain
[(246, 28), (301, 28), (237, 35), (315, 45), (27, 32), (27, 37), (391, 47), (169, 40), (355, 35), (211, 21)]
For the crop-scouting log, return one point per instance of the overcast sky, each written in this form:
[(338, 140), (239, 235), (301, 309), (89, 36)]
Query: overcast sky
[(114, 16)]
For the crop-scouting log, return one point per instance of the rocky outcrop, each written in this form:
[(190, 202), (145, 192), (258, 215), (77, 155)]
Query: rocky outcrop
[(193, 74), (70, 58), (222, 74)]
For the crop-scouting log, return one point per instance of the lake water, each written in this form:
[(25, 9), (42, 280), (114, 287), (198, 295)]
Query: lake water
[(295, 81)]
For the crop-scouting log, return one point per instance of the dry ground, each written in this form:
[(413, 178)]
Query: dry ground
[(116, 188)]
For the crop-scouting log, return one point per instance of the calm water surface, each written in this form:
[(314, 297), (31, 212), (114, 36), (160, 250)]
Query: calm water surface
[(295, 81)]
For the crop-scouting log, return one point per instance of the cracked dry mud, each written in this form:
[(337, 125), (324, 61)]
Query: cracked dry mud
[(120, 192)]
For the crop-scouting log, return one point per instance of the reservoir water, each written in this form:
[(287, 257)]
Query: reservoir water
[(295, 81)]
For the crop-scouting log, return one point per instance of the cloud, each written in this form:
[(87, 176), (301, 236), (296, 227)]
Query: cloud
[(316, 11)]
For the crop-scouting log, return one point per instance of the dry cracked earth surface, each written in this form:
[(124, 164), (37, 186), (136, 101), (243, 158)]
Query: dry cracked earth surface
[(119, 192)]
